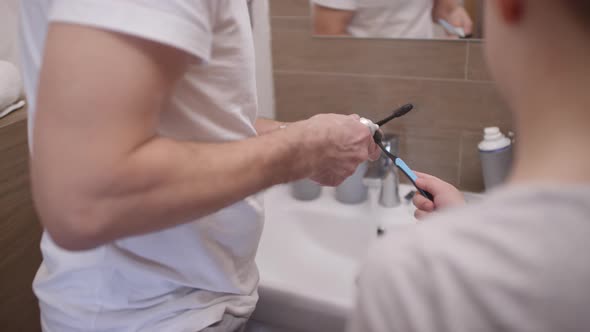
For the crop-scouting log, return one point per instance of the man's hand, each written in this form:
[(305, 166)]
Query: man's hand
[(453, 12), (445, 196), (459, 17), (335, 145)]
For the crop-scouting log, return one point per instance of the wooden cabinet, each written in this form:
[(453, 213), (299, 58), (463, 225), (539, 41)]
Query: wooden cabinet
[(20, 230)]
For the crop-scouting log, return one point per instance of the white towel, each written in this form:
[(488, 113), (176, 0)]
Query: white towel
[(10, 88)]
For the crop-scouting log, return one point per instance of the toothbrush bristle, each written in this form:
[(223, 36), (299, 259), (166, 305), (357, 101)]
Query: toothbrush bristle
[(396, 114), (404, 110)]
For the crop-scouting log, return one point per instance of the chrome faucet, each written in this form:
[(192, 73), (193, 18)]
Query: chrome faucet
[(383, 173)]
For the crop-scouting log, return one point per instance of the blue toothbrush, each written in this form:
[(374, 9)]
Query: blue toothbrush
[(402, 166)]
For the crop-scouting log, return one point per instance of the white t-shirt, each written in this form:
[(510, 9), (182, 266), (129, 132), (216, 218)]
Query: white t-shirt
[(184, 278), (386, 18), (516, 261)]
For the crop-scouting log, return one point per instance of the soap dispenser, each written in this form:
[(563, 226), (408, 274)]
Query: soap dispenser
[(496, 154)]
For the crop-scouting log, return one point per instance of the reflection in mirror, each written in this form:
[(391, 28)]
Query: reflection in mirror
[(412, 19)]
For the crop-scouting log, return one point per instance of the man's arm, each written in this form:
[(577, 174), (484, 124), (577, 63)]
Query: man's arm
[(330, 21), (101, 172)]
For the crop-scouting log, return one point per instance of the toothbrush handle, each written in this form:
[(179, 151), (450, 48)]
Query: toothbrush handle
[(425, 193)]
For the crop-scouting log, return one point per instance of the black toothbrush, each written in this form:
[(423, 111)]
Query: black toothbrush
[(396, 114), (378, 137)]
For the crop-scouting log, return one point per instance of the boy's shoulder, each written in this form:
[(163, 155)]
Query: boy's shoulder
[(519, 218), (511, 234), (512, 257)]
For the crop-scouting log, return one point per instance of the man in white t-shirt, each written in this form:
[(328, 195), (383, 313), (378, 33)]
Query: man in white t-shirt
[(147, 157), (517, 261), (387, 18)]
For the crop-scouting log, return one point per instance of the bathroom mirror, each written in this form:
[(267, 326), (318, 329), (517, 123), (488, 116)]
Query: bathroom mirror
[(398, 19)]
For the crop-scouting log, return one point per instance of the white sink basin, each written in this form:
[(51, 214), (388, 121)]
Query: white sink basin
[(310, 253)]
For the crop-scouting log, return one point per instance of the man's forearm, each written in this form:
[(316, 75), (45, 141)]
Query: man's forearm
[(165, 183)]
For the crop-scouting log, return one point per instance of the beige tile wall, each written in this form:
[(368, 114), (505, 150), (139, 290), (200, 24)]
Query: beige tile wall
[(447, 81)]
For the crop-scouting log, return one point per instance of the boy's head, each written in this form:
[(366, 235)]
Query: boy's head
[(527, 40)]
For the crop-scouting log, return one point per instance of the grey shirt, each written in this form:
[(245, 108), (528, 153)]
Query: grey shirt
[(517, 261)]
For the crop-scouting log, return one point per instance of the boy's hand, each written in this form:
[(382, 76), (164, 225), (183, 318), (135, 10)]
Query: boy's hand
[(445, 195)]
